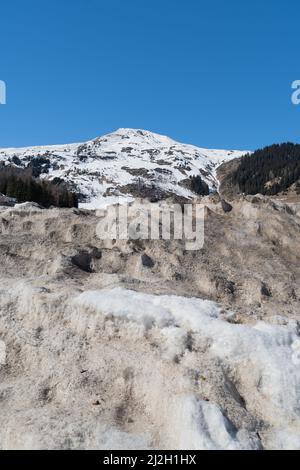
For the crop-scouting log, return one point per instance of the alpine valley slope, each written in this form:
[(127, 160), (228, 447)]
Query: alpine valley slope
[(117, 164), (188, 350)]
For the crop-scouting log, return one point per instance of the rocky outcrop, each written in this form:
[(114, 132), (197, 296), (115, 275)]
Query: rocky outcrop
[(6, 201)]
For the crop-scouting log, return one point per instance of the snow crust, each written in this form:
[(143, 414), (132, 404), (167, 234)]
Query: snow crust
[(261, 357)]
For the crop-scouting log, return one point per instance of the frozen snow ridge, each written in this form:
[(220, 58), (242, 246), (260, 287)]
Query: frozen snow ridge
[(259, 359)]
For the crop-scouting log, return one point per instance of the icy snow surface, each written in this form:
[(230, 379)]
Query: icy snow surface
[(262, 357)]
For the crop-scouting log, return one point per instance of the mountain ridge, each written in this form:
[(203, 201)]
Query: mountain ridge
[(115, 164)]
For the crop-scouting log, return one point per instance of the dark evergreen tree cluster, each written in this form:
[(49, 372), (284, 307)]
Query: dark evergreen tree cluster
[(199, 186), (19, 183), (268, 171)]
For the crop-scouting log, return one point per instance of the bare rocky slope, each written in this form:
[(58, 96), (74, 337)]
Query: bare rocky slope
[(142, 344)]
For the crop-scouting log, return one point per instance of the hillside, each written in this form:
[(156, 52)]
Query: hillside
[(269, 171), (125, 163), (133, 343)]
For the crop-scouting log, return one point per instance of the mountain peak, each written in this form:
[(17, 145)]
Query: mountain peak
[(122, 162), (139, 136)]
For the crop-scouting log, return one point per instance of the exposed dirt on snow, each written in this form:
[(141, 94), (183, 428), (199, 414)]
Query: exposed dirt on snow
[(105, 349)]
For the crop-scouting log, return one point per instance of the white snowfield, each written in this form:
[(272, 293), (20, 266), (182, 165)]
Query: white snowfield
[(262, 359), (101, 167)]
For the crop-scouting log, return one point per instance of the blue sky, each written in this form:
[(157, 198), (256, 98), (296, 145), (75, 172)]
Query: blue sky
[(216, 73)]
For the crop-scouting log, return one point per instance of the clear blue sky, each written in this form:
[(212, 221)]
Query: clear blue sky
[(216, 73)]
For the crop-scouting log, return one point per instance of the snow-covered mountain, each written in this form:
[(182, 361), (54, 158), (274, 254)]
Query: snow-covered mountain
[(121, 163)]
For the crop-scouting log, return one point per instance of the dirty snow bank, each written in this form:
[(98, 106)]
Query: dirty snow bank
[(262, 359)]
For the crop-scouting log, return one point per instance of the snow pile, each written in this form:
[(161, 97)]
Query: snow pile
[(148, 310), (197, 424), (261, 358)]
